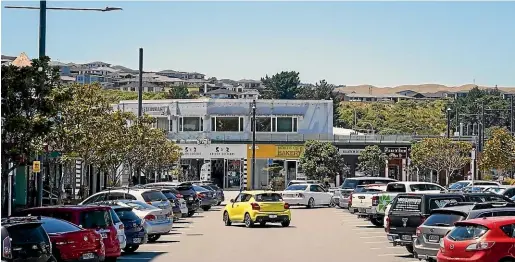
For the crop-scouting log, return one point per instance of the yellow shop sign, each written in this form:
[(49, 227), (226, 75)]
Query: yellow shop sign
[(289, 151)]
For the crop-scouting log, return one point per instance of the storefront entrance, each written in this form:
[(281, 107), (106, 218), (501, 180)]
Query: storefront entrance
[(233, 174)]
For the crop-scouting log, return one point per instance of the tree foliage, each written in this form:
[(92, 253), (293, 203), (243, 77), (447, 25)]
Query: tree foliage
[(283, 85), (115, 96), (372, 160), (499, 151), (178, 92), (321, 160)]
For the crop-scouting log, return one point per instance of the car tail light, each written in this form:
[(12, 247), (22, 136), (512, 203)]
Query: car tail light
[(300, 195), (6, 248), (201, 195), (179, 196), (286, 206), (150, 217), (387, 228), (121, 227), (148, 202), (375, 200), (418, 232), (255, 206), (64, 242), (480, 246)]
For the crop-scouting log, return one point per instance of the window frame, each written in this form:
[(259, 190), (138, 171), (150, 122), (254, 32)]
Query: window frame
[(180, 124), (241, 123), (273, 124)]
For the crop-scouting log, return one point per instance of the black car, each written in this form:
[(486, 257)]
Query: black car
[(485, 197), (171, 195), (25, 239), (409, 211), (211, 186), (186, 192)]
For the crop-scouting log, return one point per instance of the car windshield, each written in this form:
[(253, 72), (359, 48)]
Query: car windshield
[(443, 219), (215, 187), (169, 194), (459, 185), (152, 196), (296, 187), (27, 233), (54, 226), (497, 190), (268, 197), (467, 232), (139, 205), (200, 189), (126, 214), (95, 218)]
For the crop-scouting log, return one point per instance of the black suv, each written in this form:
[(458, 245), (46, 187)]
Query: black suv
[(24, 239), (409, 211), (185, 189)]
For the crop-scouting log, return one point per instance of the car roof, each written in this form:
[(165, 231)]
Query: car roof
[(426, 193), (13, 221), (256, 192), (488, 221), (413, 183), (71, 207), (372, 178), (475, 181), (133, 189)]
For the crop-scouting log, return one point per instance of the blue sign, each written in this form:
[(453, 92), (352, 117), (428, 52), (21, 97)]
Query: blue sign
[(270, 161)]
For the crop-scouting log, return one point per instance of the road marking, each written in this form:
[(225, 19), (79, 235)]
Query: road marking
[(373, 237), (389, 255)]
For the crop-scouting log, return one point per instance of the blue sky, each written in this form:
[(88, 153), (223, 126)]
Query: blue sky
[(378, 43)]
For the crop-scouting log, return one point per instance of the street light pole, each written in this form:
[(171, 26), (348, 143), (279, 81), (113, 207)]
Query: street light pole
[(253, 143), (140, 99), (42, 28), (448, 123)]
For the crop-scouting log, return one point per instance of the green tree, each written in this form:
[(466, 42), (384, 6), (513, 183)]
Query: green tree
[(456, 157), (321, 160), (499, 152), (29, 112), (115, 96), (283, 85), (178, 92), (372, 160)]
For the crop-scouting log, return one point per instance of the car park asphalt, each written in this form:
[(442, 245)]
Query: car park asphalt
[(314, 235)]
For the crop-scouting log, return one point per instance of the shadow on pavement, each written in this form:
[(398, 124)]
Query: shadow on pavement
[(183, 222), (173, 233), (407, 256), (371, 226), (196, 216), (140, 256), (266, 226), (165, 241)]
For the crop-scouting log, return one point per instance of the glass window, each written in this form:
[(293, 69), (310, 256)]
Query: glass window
[(115, 217), (407, 204), (170, 125), (443, 220), (284, 124), (509, 193), (190, 124), (226, 124), (130, 197), (52, 225), (139, 205), (295, 124), (459, 185), (238, 198), (263, 124), (27, 233), (115, 196), (151, 196), (268, 197), (509, 230), (504, 214), (169, 195), (398, 188), (435, 203), (297, 187), (246, 198), (95, 218), (126, 214), (313, 188), (467, 232)]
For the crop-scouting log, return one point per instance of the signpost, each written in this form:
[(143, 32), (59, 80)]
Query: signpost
[(36, 167)]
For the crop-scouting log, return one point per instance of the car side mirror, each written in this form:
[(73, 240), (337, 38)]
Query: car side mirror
[(232, 200), (80, 226)]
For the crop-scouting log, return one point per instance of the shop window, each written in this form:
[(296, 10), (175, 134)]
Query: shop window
[(227, 124), (170, 125), (263, 124), (190, 124), (286, 124)]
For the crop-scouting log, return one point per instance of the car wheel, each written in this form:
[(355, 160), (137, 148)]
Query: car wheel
[(191, 213), (311, 203), (51, 259), (378, 222), (410, 249), (227, 220), (206, 208), (248, 221), (131, 248), (285, 223), (111, 259), (153, 238)]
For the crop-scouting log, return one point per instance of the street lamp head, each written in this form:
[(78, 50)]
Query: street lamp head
[(449, 109), (107, 9)]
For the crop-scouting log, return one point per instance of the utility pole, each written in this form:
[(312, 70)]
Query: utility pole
[(140, 100), (42, 53), (457, 124), (448, 123), (253, 143), (512, 115)]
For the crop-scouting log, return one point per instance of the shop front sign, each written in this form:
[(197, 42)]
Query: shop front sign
[(212, 151), (351, 151), (289, 151)]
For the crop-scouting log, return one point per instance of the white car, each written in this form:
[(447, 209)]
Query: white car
[(458, 186), (120, 231), (309, 195)]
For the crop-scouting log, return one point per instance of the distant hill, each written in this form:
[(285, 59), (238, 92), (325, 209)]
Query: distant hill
[(424, 88)]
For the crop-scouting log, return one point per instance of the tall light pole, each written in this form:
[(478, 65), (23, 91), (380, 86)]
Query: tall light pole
[(140, 100), (448, 123), (253, 143)]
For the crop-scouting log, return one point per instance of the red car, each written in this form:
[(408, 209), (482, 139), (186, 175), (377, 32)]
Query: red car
[(72, 243), (489, 239), (97, 218)]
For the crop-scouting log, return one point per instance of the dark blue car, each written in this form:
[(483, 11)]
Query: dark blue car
[(133, 227)]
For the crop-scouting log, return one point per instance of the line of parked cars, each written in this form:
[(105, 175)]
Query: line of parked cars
[(104, 224), (469, 221)]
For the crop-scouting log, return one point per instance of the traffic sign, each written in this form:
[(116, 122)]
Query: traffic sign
[(36, 166)]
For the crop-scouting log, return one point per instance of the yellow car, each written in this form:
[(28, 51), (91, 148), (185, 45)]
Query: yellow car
[(252, 207)]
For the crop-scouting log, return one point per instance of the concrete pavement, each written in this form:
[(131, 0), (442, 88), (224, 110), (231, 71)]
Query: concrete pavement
[(314, 235)]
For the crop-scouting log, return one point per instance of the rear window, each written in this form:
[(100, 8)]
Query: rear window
[(459, 185), (407, 203), (95, 219), (269, 197), (138, 205), (27, 233), (443, 220), (215, 187), (58, 226), (208, 187), (435, 203), (487, 198), (126, 214), (115, 218), (169, 194), (400, 188), (467, 232), (151, 196), (200, 189), (486, 184), (185, 188), (297, 187), (353, 183)]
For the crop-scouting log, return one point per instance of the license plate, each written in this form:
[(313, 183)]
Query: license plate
[(369, 211), (434, 238), (190, 198), (272, 216), (88, 256), (136, 240), (183, 205), (406, 237)]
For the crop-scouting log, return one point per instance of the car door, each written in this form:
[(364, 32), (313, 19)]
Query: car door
[(234, 208), (324, 195), (313, 192)]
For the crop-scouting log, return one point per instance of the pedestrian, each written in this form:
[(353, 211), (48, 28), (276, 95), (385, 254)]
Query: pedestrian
[(469, 175)]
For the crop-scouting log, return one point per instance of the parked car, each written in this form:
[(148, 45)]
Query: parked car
[(93, 217), (72, 243), (350, 184), (409, 211), (480, 239), (309, 195), (498, 189), (373, 204), (300, 181), (346, 202), (441, 221), (134, 231), (261, 207), (179, 207), (211, 186), (120, 229), (186, 191), (24, 239), (206, 197), (458, 186), (151, 196)]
